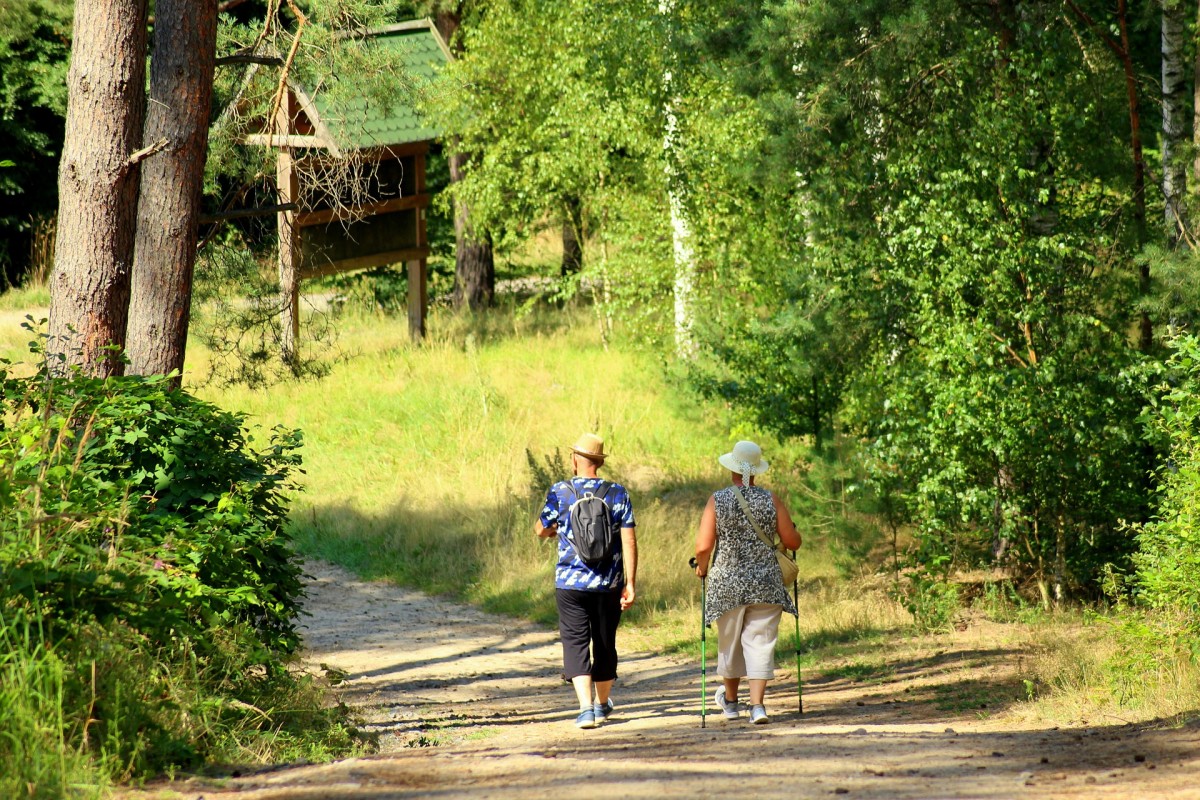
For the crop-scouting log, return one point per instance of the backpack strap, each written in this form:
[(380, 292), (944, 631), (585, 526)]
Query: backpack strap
[(605, 486), (741, 499)]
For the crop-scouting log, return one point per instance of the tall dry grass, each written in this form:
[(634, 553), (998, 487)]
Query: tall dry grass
[(1108, 670)]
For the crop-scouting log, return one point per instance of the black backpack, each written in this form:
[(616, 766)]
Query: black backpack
[(592, 526)]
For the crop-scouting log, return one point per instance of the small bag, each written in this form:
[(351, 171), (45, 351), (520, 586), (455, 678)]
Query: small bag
[(787, 565)]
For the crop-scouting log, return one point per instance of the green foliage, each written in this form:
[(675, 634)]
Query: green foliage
[(560, 107), (167, 489), (584, 79), (236, 315), (1168, 557), (959, 282), (930, 596), (148, 589), (35, 39)]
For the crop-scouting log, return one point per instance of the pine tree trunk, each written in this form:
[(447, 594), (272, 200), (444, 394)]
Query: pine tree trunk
[(474, 265), (1196, 111), (1145, 326), (98, 185), (1174, 102), (181, 85)]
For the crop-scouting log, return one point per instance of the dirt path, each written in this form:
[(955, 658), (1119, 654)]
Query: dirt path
[(469, 705)]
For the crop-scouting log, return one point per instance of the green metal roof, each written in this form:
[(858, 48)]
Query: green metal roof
[(360, 121)]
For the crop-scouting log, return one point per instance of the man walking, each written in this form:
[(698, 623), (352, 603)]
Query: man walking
[(595, 575)]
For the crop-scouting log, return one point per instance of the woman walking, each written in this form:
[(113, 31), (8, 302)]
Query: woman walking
[(746, 596)]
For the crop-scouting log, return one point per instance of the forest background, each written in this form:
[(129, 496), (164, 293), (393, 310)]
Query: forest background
[(940, 252)]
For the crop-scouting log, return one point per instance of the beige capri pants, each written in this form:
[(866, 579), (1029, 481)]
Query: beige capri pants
[(746, 641)]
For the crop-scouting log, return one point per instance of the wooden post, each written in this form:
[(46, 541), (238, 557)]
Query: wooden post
[(288, 189), (418, 299)]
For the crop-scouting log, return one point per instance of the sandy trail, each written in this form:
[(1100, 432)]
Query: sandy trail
[(471, 705)]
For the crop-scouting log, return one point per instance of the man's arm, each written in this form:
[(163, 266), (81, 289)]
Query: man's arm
[(629, 557), (550, 514)]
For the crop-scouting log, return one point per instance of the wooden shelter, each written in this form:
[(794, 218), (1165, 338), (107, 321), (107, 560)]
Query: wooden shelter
[(371, 215)]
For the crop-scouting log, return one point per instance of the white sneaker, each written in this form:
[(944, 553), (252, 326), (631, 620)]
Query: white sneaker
[(730, 709), (758, 715)]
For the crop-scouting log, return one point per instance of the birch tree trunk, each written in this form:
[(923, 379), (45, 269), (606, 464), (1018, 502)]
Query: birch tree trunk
[(1174, 105), (681, 230), (97, 185), (181, 86)]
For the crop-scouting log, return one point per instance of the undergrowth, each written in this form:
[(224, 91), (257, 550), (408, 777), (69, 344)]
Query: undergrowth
[(148, 588)]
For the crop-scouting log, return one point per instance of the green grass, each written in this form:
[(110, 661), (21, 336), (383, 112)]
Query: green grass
[(36, 758), (23, 298), (427, 465)]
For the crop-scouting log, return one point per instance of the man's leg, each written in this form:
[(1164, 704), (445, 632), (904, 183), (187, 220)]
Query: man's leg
[(574, 629), (605, 619), (583, 690)]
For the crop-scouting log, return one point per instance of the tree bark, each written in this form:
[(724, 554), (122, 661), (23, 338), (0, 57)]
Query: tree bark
[(98, 185), (1174, 102), (474, 264), (181, 86), (1146, 328), (681, 229), (1196, 110), (572, 232)]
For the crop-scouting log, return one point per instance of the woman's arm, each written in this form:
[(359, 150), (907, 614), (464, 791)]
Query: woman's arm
[(706, 537), (784, 525)]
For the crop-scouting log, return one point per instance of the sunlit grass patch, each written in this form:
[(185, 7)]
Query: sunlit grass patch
[(1105, 670)]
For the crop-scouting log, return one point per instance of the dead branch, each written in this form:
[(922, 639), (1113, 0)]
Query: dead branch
[(139, 156)]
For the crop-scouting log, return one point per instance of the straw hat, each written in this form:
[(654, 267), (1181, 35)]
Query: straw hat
[(745, 459), (590, 446)]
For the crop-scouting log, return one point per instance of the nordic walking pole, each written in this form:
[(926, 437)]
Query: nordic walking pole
[(796, 600), (703, 655)]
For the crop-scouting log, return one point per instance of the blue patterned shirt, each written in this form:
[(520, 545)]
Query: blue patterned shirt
[(570, 572)]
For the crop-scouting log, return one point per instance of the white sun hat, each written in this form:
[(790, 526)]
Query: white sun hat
[(745, 459)]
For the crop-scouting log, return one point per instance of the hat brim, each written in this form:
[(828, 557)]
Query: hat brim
[(586, 454), (730, 463)]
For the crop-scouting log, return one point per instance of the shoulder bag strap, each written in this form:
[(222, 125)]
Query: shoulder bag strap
[(741, 498)]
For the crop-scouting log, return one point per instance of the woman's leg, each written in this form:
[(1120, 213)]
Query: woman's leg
[(760, 630), (731, 661)]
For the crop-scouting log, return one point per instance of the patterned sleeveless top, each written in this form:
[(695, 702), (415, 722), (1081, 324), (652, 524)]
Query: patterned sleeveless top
[(743, 569)]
